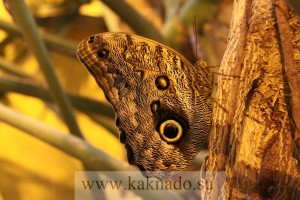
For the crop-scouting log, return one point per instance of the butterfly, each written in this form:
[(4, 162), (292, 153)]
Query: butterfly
[(161, 100)]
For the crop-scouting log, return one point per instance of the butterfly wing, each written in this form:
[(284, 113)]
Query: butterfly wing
[(162, 116)]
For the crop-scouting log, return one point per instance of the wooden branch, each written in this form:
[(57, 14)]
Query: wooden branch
[(253, 141), (291, 73)]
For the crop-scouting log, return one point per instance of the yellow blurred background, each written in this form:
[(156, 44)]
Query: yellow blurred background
[(31, 169)]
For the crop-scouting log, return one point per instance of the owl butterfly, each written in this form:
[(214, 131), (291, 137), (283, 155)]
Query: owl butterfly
[(161, 100)]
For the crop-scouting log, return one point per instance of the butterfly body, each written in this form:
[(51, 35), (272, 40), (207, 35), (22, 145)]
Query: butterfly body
[(160, 99)]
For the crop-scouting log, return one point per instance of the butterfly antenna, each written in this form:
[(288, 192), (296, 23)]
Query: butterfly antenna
[(196, 36)]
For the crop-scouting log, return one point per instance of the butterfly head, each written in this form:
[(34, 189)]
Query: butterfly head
[(162, 119)]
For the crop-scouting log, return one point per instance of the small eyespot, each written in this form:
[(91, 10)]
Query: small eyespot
[(162, 82), (91, 39), (155, 106), (171, 131), (103, 53)]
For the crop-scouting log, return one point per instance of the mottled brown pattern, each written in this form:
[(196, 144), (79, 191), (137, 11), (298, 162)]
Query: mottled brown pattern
[(252, 140), (147, 84)]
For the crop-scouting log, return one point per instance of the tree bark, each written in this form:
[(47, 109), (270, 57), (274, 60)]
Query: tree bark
[(257, 117)]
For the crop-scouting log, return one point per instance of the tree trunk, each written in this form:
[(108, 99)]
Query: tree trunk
[(257, 117)]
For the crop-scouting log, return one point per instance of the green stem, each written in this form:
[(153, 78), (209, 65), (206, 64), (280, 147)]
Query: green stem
[(92, 157), (32, 88), (69, 144), (29, 30), (12, 69), (97, 111), (50, 40)]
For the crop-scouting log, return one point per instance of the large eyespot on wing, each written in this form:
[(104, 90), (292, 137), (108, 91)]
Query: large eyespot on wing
[(171, 131)]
